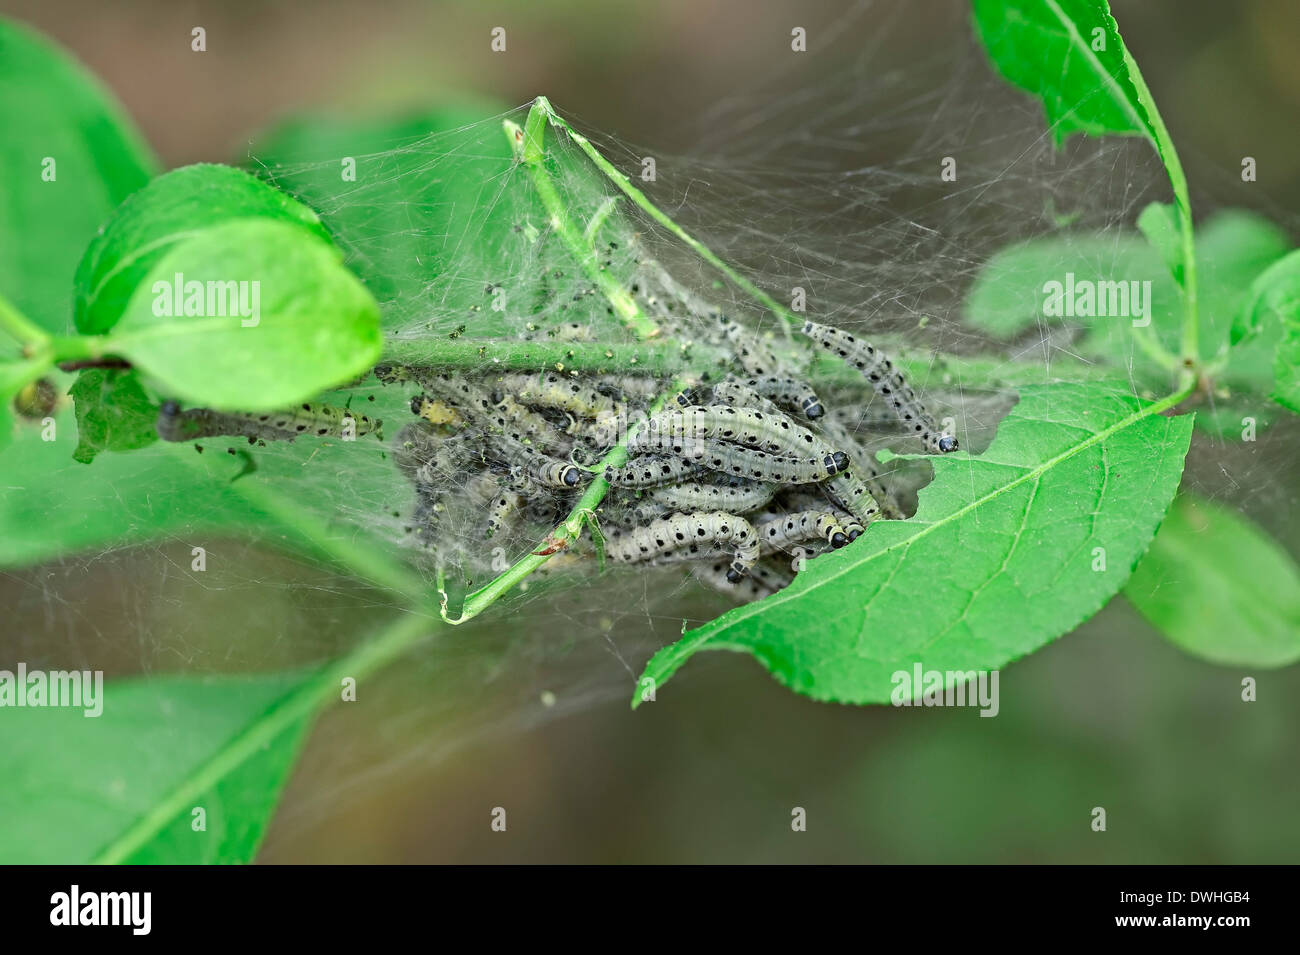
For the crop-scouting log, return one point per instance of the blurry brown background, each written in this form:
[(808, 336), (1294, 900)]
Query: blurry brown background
[(1110, 716)]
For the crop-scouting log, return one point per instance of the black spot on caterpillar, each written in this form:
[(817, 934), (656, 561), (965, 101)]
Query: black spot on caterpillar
[(887, 382), (677, 531)]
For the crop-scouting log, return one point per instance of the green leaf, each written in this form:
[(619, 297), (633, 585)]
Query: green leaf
[(78, 783), (311, 324), (1008, 295), (54, 506), (1159, 223), (1069, 54), (1266, 332), (113, 412), (53, 109), (172, 210), (1233, 247), (1008, 550), (1218, 586)]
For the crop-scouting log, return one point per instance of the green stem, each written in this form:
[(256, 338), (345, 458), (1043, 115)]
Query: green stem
[(23, 330), (79, 347), (564, 534), (665, 360), (1164, 145), (301, 704), (624, 184), (528, 149), (592, 357)]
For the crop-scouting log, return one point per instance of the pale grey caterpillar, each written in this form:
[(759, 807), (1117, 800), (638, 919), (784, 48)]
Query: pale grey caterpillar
[(775, 434), (319, 420), (782, 533), (677, 531), (887, 382)]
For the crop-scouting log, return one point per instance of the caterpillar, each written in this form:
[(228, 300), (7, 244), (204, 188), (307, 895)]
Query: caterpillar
[(506, 417), (530, 466), (694, 496), (752, 354), (420, 453), (737, 394), (647, 470), (852, 494), (789, 392), (783, 532), (553, 391), (316, 419), (865, 467), (759, 465), (668, 534), (775, 434), (887, 382), (502, 511)]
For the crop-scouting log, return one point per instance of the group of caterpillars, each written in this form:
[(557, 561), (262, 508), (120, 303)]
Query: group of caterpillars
[(745, 477)]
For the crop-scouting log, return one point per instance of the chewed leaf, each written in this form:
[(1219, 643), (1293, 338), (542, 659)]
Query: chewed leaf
[(113, 412), (302, 322), (1007, 551), (169, 211), (1219, 587)]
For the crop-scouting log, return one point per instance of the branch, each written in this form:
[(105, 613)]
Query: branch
[(649, 208), (528, 150)]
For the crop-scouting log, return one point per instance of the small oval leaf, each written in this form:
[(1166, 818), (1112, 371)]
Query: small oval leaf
[(1219, 587), (252, 315), (167, 212)]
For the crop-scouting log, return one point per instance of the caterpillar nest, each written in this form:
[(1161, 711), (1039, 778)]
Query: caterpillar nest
[(745, 477)]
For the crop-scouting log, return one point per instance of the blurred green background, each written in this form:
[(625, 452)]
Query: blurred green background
[(1110, 716)]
